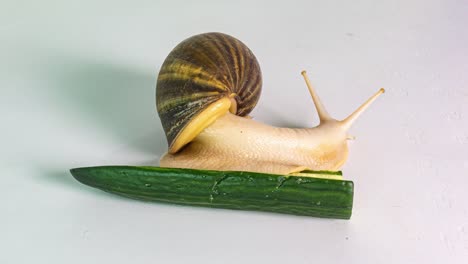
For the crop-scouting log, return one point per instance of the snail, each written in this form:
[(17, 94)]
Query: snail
[(206, 88)]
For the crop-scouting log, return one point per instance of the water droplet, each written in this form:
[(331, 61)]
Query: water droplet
[(266, 196), (147, 184)]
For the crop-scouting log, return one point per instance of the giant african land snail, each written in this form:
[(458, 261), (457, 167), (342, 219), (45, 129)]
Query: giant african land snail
[(206, 88)]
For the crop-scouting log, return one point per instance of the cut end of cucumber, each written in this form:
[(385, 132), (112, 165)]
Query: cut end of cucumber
[(329, 175)]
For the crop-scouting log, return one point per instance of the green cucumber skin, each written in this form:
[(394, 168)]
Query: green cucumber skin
[(225, 189)]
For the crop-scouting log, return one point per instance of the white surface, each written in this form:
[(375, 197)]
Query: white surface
[(77, 89)]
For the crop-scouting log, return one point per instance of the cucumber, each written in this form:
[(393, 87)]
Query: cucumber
[(308, 196)]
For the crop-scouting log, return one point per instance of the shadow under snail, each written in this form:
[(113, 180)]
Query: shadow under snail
[(206, 88)]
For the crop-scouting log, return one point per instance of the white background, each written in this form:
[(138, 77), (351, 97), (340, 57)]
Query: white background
[(77, 85)]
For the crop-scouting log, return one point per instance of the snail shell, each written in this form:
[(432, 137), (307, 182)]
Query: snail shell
[(204, 77)]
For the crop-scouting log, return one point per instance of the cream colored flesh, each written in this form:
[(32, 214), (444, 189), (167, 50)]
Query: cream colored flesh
[(234, 143), (237, 143)]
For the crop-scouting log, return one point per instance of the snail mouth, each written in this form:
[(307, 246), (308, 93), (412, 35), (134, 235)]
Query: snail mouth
[(333, 157), (200, 122)]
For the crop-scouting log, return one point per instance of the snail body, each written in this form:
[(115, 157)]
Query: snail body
[(206, 88), (240, 144)]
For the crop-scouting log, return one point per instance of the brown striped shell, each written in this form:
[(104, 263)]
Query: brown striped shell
[(201, 71)]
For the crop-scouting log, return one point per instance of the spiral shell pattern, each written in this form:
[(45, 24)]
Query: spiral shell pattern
[(200, 71)]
